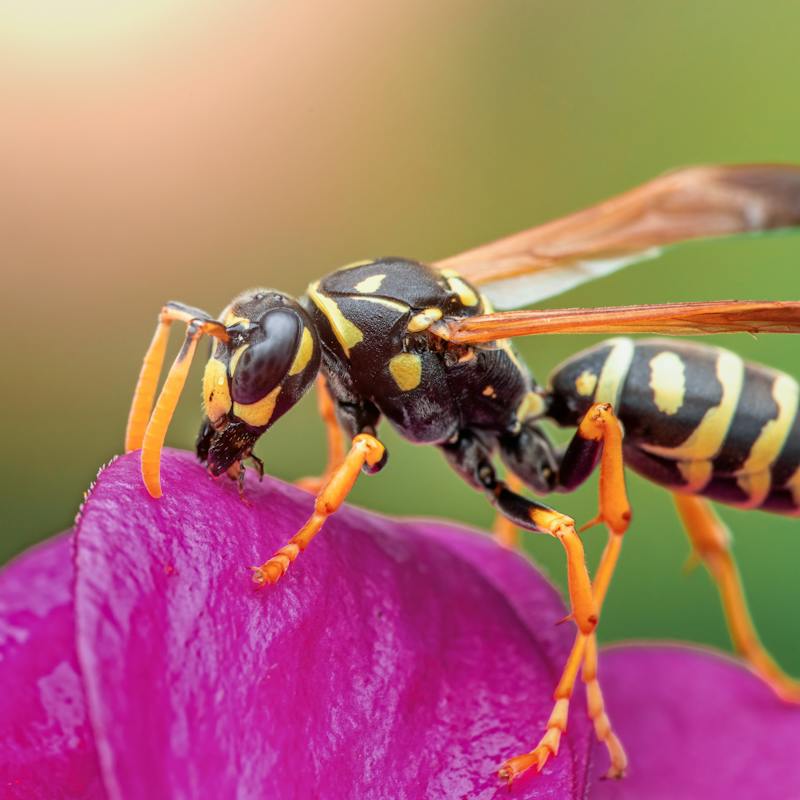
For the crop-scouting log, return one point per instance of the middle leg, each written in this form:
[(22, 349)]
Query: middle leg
[(599, 437)]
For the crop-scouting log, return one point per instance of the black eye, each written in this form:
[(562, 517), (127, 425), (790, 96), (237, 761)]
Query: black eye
[(265, 363)]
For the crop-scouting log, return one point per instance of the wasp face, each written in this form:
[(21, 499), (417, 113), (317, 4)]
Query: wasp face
[(271, 359)]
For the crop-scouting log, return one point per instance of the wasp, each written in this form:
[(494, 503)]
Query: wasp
[(422, 346)]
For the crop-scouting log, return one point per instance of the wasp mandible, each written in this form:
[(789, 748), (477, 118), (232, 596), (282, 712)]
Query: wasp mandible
[(422, 346)]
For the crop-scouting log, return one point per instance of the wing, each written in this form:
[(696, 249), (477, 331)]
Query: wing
[(721, 316), (691, 203)]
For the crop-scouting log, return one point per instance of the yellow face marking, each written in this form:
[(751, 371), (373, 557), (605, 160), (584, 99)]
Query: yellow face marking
[(406, 369), (304, 352), (216, 395), (423, 320), (668, 382), (531, 407), (370, 285), (614, 371), (706, 440), (754, 476), (465, 292), (347, 334), (696, 474), (585, 383), (260, 412), (235, 358)]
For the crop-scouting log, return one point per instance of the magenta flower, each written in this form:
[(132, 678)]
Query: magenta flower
[(395, 660)]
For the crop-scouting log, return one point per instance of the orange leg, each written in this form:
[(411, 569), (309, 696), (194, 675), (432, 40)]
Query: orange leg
[(711, 542), (599, 423), (145, 430), (335, 435), (365, 449), (584, 650), (505, 531)]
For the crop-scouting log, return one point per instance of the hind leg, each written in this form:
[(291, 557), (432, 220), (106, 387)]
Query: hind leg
[(710, 540)]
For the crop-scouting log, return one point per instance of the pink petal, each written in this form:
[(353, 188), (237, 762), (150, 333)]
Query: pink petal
[(46, 744), (394, 660), (697, 726)]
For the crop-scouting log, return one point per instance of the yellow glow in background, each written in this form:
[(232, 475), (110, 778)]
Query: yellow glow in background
[(187, 150)]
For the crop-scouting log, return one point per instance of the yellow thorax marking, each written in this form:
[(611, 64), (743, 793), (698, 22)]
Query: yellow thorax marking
[(755, 477), (382, 301), (423, 320), (216, 394), (346, 333), (465, 293), (258, 413), (304, 352), (406, 369), (370, 284), (668, 382)]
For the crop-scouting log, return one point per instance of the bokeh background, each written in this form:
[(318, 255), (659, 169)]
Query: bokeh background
[(186, 150)]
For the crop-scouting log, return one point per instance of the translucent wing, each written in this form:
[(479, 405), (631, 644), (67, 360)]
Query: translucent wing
[(691, 203), (721, 316)]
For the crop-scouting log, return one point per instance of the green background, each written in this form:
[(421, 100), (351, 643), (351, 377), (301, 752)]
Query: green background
[(186, 152)]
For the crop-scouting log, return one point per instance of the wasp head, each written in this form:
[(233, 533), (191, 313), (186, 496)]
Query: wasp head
[(269, 362)]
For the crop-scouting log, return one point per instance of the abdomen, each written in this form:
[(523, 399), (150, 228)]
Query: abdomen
[(697, 418)]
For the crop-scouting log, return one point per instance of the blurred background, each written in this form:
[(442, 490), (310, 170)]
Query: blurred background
[(187, 150)]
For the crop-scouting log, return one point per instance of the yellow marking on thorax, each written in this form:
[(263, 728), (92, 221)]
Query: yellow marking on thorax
[(216, 394), (406, 369), (395, 305), (668, 382), (235, 358), (466, 294), (614, 371), (505, 346), (755, 477), (370, 284), (258, 413), (304, 352), (586, 383), (423, 320), (346, 333), (489, 391)]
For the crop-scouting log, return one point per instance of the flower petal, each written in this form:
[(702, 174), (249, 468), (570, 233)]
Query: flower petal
[(394, 660), (697, 726), (46, 745)]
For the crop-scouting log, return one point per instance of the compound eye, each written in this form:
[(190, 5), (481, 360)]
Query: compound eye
[(264, 364)]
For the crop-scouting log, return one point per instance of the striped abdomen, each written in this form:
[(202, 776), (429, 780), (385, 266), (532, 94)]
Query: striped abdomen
[(696, 418)]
